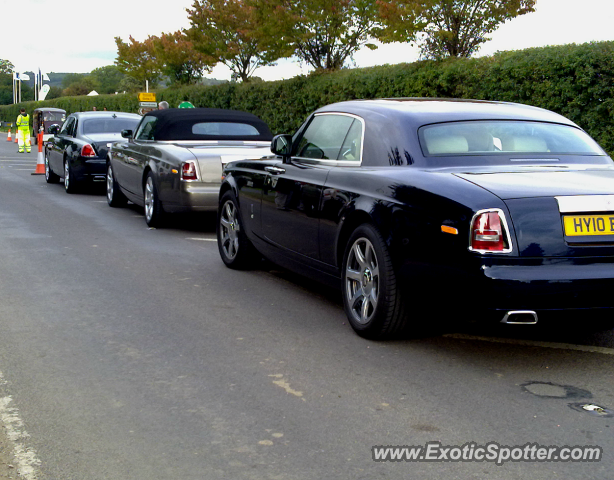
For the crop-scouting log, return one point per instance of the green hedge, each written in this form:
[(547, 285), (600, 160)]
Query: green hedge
[(576, 81)]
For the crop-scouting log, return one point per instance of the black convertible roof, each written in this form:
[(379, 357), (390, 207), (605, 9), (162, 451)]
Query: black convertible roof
[(176, 123)]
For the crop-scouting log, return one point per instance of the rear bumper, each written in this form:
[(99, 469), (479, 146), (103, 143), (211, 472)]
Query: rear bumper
[(94, 169), (195, 197), (551, 285)]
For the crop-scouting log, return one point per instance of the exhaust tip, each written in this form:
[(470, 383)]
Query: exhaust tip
[(520, 317)]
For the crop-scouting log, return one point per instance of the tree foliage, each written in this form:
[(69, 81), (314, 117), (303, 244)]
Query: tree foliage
[(237, 34), (6, 67), (178, 60), (326, 33), (137, 59), (107, 78), (452, 28)]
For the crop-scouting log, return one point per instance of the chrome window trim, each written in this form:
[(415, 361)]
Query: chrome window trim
[(340, 163), (506, 231), (585, 203)]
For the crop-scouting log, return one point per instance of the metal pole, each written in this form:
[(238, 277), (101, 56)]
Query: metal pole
[(147, 86)]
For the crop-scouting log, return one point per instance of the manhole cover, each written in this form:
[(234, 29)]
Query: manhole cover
[(593, 409), (552, 390)]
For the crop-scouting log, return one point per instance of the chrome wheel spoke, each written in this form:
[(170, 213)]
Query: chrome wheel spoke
[(358, 255), (364, 309), (354, 275)]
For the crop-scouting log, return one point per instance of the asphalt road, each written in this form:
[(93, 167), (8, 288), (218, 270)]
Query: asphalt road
[(130, 353)]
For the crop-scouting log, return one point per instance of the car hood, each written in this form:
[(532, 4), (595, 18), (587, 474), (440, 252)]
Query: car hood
[(544, 182)]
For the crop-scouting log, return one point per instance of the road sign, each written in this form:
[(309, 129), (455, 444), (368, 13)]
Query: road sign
[(148, 104), (147, 97)]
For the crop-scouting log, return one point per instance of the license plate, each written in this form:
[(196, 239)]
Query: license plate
[(583, 225)]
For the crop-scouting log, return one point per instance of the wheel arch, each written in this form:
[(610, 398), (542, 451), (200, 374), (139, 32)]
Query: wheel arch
[(349, 222)]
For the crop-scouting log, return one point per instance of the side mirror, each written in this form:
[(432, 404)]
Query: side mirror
[(53, 129), (282, 145), (127, 133)]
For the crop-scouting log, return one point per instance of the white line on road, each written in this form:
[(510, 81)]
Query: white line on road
[(534, 343), (202, 239), (26, 458)]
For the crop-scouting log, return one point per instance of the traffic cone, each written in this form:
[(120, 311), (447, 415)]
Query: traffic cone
[(40, 161), (8, 139), (16, 136)]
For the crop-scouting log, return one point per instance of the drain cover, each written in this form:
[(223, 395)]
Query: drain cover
[(552, 390)]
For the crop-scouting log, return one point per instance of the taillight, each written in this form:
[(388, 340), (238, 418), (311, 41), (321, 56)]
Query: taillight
[(188, 171), (489, 232), (88, 151)]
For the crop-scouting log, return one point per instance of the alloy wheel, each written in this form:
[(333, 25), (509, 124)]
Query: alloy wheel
[(362, 281), (149, 199), (229, 230)]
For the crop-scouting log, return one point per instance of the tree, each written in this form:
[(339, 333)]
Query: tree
[(6, 82), (71, 78), (6, 67), (326, 33), (178, 59), (137, 59), (452, 28), (234, 32), (80, 87), (107, 78)]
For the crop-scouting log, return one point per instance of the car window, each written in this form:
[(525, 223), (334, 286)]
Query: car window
[(225, 129), (108, 125), (67, 126), (505, 137), (146, 129), (352, 145), (324, 137)]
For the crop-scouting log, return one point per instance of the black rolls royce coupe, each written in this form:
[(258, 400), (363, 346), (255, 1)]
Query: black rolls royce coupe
[(467, 208)]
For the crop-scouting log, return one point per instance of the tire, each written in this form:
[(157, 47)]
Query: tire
[(371, 297), (115, 197), (236, 250), (154, 213), (70, 185), (50, 177)]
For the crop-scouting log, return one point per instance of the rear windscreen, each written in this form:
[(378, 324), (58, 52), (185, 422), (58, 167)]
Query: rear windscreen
[(108, 125), (505, 137), (225, 129)]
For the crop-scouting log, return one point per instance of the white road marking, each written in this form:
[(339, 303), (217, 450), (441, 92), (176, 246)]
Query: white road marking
[(202, 239), (25, 457), (534, 343)]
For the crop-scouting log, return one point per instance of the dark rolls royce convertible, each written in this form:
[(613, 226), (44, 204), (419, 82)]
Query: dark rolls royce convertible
[(173, 161), (78, 149), (464, 208)]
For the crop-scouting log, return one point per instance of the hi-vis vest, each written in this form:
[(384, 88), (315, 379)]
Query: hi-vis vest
[(23, 122)]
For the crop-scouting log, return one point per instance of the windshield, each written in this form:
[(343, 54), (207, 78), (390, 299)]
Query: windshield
[(108, 125), (504, 138)]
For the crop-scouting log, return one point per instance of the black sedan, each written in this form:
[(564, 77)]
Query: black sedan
[(78, 149), (444, 207)]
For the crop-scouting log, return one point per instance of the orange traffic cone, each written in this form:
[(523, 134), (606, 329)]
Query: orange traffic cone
[(16, 136), (8, 139), (40, 161)]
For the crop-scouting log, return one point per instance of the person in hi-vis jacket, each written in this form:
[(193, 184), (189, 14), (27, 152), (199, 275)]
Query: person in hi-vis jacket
[(23, 131)]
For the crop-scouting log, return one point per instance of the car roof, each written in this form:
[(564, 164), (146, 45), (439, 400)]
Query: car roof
[(105, 113), (49, 109), (424, 111), (176, 123)]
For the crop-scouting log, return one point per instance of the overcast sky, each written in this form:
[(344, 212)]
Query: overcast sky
[(78, 35)]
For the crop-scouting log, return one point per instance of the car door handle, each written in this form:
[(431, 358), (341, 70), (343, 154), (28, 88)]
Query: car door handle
[(275, 170)]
